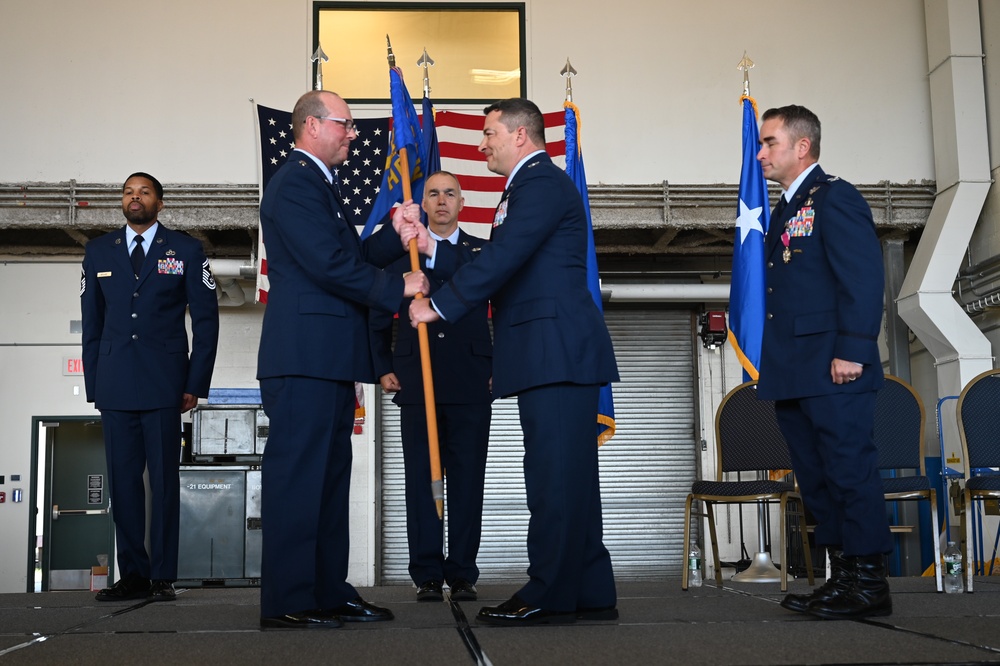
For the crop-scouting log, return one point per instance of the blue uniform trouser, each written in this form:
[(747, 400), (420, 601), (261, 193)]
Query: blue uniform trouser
[(135, 441), (305, 495), (463, 440), (569, 567), (831, 442)]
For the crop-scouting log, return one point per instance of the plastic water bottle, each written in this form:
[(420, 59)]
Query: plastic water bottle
[(952, 568), (694, 566)]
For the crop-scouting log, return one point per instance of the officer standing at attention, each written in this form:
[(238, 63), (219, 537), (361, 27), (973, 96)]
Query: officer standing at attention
[(462, 360), (137, 283), (820, 361)]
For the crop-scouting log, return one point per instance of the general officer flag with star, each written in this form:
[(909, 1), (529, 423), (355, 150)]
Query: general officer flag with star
[(746, 292)]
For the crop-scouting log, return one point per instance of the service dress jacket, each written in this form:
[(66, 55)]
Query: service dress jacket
[(826, 300), (461, 351), (546, 326), (135, 342), (323, 280)]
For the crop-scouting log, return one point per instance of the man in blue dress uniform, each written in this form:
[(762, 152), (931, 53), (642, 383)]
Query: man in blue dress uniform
[(462, 362), (314, 345), (553, 351), (820, 360), (137, 283)]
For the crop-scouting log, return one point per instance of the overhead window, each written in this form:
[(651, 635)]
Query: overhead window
[(478, 49)]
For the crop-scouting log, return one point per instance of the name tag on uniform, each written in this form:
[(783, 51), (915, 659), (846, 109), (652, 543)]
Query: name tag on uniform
[(104, 274), (170, 267)]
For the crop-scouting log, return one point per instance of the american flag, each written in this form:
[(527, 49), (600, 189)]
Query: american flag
[(360, 175)]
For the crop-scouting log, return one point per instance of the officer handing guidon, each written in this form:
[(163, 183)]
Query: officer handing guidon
[(136, 285)]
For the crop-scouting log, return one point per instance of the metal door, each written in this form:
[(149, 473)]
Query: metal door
[(646, 469), (78, 531)]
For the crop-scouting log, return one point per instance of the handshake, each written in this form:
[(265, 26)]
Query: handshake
[(406, 222)]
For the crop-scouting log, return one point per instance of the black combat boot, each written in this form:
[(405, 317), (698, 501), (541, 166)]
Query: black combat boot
[(867, 594), (839, 581)]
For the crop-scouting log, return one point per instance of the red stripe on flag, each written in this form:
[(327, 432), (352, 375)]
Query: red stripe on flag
[(555, 119), (482, 183), (458, 120), (460, 151), (472, 121)]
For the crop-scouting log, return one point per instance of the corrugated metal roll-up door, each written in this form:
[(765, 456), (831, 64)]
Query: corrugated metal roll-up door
[(646, 469)]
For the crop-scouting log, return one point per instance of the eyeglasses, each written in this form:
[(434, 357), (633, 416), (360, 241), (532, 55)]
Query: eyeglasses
[(348, 124)]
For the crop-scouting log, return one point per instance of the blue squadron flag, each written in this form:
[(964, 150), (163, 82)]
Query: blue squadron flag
[(746, 292), (405, 134), (574, 168), (432, 154)]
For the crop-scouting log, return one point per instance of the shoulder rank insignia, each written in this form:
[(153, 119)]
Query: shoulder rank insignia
[(206, 275)]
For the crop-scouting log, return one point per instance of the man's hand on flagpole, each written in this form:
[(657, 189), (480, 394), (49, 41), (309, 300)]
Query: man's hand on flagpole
[(407, 212), (425, 244), (421, 312), (415, 283)]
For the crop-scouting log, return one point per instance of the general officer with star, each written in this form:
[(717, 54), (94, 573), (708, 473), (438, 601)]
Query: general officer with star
[(820, 361)]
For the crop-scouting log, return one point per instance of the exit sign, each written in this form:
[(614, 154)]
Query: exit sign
[(72, 366)]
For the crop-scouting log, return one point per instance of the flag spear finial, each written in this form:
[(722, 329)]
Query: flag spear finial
[(425, 61), (568, 72), (390, 56), (745, 65), (319, 58)]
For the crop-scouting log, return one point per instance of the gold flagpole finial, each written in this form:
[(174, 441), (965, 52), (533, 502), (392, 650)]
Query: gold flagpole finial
[(568, 72), (390, 56)]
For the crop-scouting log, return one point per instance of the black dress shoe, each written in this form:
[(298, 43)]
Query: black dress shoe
[(430, 591), (463, 590), (516, 613), (303, 620), (162, 590), (127, 589), (605, 614), (358, 610)]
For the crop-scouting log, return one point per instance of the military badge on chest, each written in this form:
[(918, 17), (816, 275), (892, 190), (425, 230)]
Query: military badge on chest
[(170, 266), (501, 214), (800, 226)]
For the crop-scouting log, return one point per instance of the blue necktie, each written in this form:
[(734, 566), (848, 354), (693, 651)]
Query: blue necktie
[(138, 256)]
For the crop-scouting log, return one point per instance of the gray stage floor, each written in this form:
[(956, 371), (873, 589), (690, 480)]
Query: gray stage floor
[(659, 624)]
